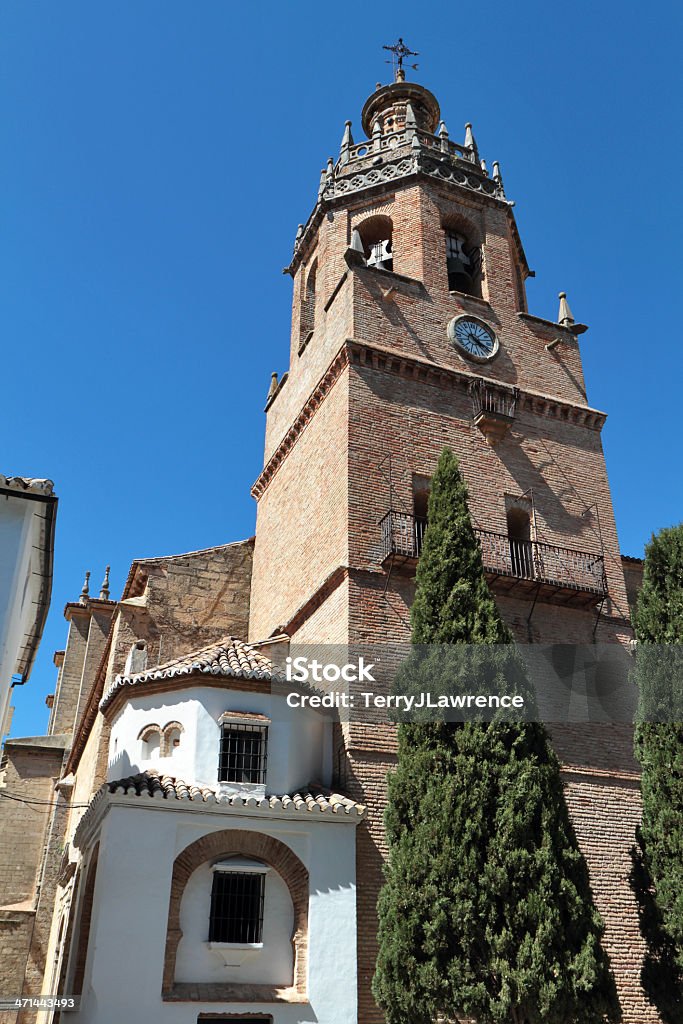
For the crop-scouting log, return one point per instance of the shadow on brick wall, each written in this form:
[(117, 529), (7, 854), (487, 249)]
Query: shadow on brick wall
[(661, 977)]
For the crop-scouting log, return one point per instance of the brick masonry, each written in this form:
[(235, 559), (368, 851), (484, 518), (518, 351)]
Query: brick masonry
[(399, 397)]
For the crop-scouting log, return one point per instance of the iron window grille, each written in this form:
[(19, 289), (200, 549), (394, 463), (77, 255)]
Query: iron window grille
[(237, 906), (243, 753)]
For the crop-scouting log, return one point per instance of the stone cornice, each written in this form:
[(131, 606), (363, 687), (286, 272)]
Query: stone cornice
[(425, 166), (415, 368)]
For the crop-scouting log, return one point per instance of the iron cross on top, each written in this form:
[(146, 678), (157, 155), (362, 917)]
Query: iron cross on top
[(399, 51)]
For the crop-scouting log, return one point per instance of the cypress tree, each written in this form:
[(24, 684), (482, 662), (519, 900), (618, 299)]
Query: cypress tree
[(659, 731), (486, 910)]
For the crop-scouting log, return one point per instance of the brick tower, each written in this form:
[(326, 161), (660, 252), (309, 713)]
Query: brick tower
[(410, 331)]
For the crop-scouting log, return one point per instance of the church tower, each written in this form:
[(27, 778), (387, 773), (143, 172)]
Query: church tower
[(410, 332)]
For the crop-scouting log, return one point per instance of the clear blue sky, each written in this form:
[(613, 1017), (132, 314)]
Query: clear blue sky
[(157, 159)]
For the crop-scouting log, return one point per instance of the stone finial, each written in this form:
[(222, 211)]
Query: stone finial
[(85, 589), (346, 143), (273, 387), (564, 316), (443, 135), (482, 164), (411, 120), (377, 135), (299, 233), (498, 177), (471, 144), (323, 182), (104, 589)]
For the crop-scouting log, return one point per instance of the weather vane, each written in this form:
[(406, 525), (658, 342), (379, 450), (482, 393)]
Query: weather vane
[(398, 52)]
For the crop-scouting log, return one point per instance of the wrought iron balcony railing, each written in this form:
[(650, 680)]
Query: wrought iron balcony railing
[(493, 408), (546, 566), (489, 397)]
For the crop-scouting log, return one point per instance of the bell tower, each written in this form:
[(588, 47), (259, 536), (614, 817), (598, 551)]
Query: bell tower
[(410, 332)]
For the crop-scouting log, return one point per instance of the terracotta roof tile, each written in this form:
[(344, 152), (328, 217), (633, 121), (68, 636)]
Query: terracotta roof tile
[(27, 483), (227, 657), (314, 799)]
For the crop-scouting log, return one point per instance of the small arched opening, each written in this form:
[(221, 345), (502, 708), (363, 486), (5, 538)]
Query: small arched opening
[(150, 742), (463, 256), (376, 234), (307, 319), (171, 739)]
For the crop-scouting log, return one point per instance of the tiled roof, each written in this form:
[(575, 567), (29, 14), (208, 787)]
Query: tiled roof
[(227, 657), (27, 483), (314, 799)]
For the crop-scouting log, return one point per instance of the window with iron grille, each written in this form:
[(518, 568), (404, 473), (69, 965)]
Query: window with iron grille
[(243, 753), (237, 906)]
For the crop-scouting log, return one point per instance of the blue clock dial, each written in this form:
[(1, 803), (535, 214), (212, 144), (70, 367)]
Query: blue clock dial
[(473, 337)]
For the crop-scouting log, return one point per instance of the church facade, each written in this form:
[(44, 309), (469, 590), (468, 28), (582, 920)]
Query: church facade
[(213, 854)]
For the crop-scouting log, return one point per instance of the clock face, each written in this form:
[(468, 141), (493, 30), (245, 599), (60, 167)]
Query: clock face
[(473, 337)]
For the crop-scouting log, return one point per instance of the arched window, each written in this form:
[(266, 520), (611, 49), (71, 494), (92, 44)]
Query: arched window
[(150, 742), (376, 234), (307, 321), (171, 739), (463, 263)]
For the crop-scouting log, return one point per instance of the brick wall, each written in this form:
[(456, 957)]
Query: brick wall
[(15, 936), (30, 775), (301, 523)]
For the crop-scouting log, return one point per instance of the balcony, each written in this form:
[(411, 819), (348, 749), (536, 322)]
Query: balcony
[(545, 571), (493, 408)]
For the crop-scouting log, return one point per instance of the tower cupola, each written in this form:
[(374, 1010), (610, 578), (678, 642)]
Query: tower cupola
[(389, 105)]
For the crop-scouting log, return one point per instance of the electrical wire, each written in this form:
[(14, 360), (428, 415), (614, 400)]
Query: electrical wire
[(37, 803)]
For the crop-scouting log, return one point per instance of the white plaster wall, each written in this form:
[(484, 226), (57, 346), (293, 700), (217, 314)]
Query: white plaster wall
[(138, 845), (270, 965), (297, 751), (16, 608)]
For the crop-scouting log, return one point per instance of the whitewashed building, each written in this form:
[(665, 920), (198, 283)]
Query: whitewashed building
[(28, 511), (214, 866)]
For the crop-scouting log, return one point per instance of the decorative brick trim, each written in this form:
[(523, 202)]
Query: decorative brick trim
[(413, 368), (293, 872), (327, 587), (320, 392), (147, 731)]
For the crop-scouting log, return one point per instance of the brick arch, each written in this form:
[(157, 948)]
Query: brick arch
[(452, 219), (243, 842), (164, 748)]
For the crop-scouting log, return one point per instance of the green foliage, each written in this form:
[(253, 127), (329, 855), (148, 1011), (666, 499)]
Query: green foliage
[(486, 909), (659, 733), (453, 604)]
